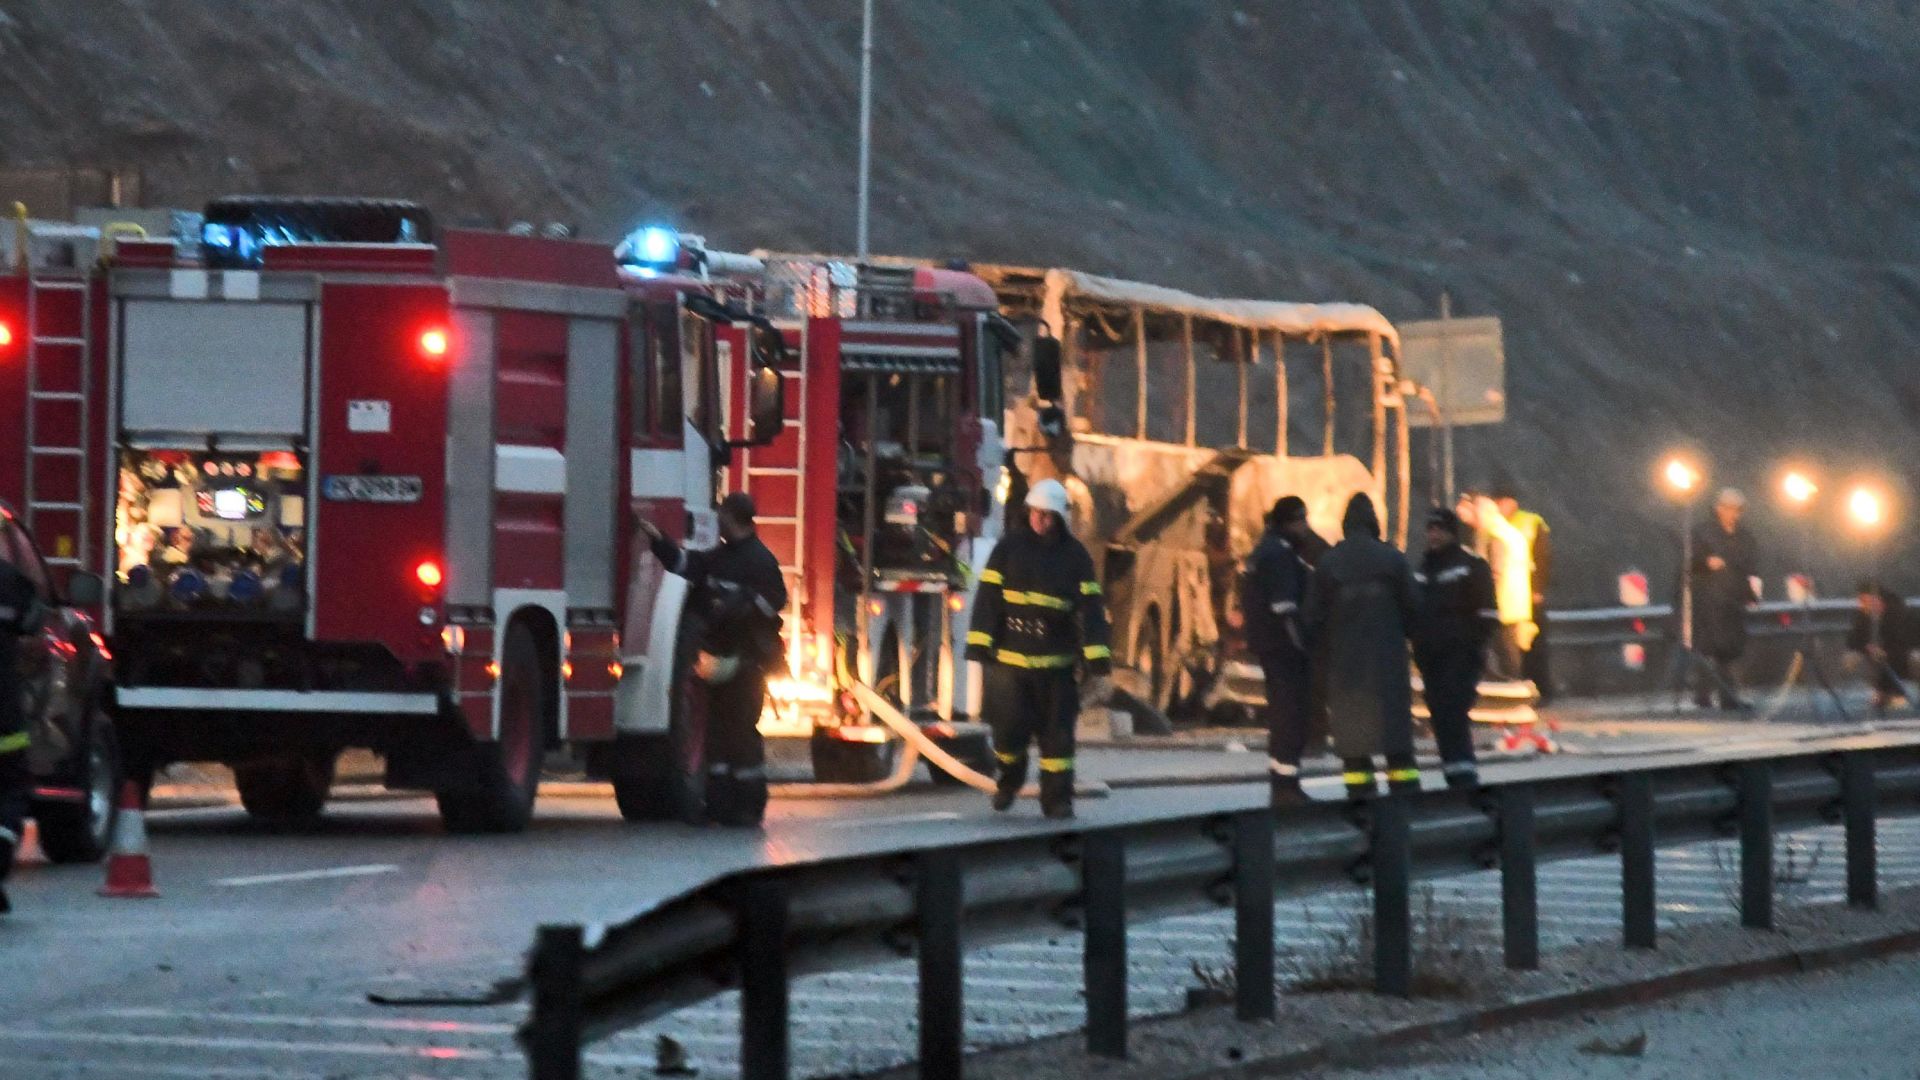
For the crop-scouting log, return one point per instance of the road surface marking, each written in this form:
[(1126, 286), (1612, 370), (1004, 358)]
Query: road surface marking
[(431, 1027), (189, 1042), (903, 819), (310, 875)]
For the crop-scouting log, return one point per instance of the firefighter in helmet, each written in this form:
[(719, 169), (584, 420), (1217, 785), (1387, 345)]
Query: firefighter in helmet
[(738, 594), (1039, 617), (20, 616)]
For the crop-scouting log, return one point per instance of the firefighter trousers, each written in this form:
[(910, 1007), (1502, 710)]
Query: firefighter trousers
[(1024, 706), (736, 755), (1289, 687), (1452, 680)]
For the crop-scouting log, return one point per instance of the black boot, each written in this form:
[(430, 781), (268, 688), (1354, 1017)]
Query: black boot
[(1013, 777), (1402, 775), (1358, 774), (1056, 794)]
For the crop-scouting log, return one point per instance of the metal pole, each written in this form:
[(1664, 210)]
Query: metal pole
[(1519, 888), (760, 950), (1756, 845), (1857, 799), (1686, 577), (1103, 883), (938, 900), (1392, 897), (1253, 872), (1639, 930), (866, 125), (1280, 448), (1253, 350), (1186, 339), (1140, 372), (1326, 378), (552, 1035)]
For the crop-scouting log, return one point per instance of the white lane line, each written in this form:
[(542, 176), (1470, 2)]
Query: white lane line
[(310, 875), (903, 819), (428, 1027), (188, 1042), (145, 1069)]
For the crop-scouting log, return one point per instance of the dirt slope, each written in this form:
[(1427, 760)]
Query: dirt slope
[(1698, 217)]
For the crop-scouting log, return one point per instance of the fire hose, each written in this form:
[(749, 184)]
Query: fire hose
[(917, 745)]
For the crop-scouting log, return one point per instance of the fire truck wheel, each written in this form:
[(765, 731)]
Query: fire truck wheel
[(849, 761), (499, 797), (79, 832), (285, 790), (647, 788)]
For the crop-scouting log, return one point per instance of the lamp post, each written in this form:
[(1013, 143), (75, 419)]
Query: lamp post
[(1684, 479), (866, 128)]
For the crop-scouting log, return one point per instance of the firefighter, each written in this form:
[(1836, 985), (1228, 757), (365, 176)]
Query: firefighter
[(1360, 608), (1037, 617), (1536, 665), (1458, 616), (1274, 587), (739, 592), (20, 616)]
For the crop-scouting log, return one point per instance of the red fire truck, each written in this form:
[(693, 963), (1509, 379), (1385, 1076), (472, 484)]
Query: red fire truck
[(336, 477)]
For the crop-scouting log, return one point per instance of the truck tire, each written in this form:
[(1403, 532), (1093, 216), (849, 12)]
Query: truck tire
[(845, 761), (286, 790), (80, 832), (498, 797), (657, 777)]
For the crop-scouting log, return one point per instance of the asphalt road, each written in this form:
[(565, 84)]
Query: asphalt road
[(1854, 1023), (257, 959)]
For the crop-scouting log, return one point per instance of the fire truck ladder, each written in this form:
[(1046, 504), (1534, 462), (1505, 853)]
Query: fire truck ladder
[(796, 384), (57, 465)]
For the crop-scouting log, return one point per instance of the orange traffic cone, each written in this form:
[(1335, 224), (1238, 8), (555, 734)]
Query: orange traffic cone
[(129, 871)]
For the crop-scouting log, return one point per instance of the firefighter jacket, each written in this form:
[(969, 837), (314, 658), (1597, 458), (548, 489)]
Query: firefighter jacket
[(1039, 606), (742, 590), (1271, 594), (1539, 539), (1457, 608)]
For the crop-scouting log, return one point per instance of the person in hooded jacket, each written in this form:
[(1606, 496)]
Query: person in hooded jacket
[(1458, 617), (1361, 607), (1271, 593), (739, 593), (1037, 617)]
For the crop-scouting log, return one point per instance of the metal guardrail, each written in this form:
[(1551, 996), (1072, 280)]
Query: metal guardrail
[(758, 929), (1654, 623)]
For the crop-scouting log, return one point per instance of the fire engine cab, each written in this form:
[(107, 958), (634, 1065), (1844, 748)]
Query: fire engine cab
[(335, 476)]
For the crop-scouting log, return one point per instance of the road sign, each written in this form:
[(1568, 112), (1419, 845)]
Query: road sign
[(1464, 363)]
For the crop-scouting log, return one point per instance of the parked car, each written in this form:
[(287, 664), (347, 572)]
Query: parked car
[(66, 673)]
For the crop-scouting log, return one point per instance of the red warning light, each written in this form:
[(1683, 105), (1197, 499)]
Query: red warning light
[(6, 334), (434, 342), (429, 574)]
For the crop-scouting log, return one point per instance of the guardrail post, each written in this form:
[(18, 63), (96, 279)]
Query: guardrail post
[(1857, 798), (760, 950), (1253, 873), (1639, 930), (1103, 887), (552, 1034), (937, 902), (1392, 896), (1519, 892), (1756, 845)]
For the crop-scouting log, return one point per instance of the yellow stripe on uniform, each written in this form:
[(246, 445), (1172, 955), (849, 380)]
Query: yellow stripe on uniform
[(990, 577), (1403, 774), (1056, 764), (1022, 660), (14, 743), (1097, 652), (1354, 779), (979, 637), (1037, 599), (1089, 588), (1009, 759)]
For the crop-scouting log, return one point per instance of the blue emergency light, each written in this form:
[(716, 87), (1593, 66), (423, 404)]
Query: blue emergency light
[(650, 246)]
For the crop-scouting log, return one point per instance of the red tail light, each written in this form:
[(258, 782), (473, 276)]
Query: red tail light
[(429, 575), (433, 343), (6, 334)]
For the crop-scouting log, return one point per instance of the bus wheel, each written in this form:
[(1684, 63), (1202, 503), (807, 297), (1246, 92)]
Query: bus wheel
[(498, 797)]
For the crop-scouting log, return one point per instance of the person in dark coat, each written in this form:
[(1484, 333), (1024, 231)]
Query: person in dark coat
[(1724, 562), (1271, 594), (1884, 634), (1360, 606), (21, 613), (1458, 616), (738, 595)]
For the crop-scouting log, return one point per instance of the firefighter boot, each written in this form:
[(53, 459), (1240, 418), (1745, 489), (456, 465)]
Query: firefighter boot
[(1056, 791), (1403, 773), (1013, 776), (1358, 774), (1285, 786)]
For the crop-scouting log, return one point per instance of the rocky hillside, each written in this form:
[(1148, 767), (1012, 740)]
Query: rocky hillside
[(1699, 218)]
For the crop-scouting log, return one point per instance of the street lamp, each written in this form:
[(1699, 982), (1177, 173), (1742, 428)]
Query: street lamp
[(866, 129), (1684, 479), (1866, 508), (1682, 476), (1798, 487)]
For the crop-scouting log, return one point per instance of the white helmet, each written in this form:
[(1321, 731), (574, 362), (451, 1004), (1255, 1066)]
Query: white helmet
[(1048, 495)]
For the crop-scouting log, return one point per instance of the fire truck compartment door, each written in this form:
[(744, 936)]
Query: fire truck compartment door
[(211, 367)]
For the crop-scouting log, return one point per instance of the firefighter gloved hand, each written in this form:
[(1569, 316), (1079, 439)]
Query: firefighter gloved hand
[(1097, 690)]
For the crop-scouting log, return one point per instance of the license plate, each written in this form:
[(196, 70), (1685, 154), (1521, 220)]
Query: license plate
[(379, 489)]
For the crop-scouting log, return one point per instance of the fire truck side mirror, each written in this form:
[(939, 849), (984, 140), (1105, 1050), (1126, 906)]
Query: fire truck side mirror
[(1046, 368), (766, 405)]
